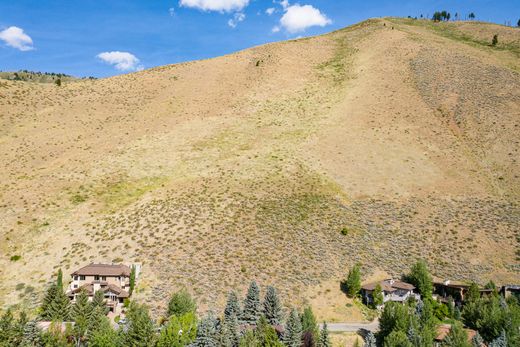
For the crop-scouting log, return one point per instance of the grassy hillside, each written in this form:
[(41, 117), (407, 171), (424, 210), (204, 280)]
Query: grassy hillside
[(215, 172), (38, 77)]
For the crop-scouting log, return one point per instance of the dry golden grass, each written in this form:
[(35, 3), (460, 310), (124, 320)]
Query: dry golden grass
[(213, 173)]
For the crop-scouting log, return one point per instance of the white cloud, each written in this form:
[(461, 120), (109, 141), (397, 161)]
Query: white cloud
[(298, 18), (275, 29), (270, 11), (16, 38), (284, 3), (216, 5), (122, 61), (237, 18), (171, 11)]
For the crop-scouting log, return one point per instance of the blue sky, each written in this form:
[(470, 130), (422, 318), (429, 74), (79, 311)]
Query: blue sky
[(104, 38)]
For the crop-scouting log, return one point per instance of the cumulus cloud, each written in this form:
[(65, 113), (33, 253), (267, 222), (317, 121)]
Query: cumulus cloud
[(171, 11), (216, 5), (17, 38), (270, 11), (237, 18), (122, 61), (298, 18)]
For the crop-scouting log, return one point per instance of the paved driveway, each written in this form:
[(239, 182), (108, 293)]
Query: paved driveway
[(353, 327)]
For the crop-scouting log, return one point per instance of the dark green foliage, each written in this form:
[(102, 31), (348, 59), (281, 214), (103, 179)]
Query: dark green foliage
[(377, 296), (56, 305), (104, 335), (252, 308), (420, 277), (471, 16), (473, 293), (324, 340), (344, 231), (98, 301), (54, 337), (7, 323), (132, 279), (457, 337), (309, 324), (58, 82), (181, 303), (249, 339), (293, 330), (232, 306), (494, 41), (397, 339), (59, 280), (15, 257), (140, 329), (230, 334), (518, 23), (207, 332), (394, 317), (272, 306), (352, 285), (82, 314), (370, 340), (180, 331), (266, 335)]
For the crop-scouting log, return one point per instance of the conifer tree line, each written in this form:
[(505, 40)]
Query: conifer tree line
[(255, 321)]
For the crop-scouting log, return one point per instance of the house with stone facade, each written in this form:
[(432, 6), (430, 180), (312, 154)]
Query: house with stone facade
[(393, 290)]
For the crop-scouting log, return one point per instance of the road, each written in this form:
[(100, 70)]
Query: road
[(352, 327)]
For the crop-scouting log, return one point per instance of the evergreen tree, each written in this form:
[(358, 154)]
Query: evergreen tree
[(352, 284), (293, 330), (180, 331), (56, 304), (140, 330), (6, 328), (370, 340), (477, 341), (132, 280), (82, 315), (457, 337), (252, 307), (232, 306), (471, 16), (309, 324), (249, 339), (377, 296), (207, 332), (518, 23), (230, 335), (181, 303), (50, 295), (420, 277), (324, 340), (494, 41), (31, 334), (394, 317), (500, 341), (396, 339), (59, 280), (18, 329), (272, 307), (266, 335), (99, 304), (105, 336), (473, 293)]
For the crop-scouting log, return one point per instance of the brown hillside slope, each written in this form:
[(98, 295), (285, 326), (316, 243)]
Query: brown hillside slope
[(215, 172)]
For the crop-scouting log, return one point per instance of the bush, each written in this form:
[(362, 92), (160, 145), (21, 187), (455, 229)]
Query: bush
[(495, 40), (181, 303), (16, 257), (344, 231)]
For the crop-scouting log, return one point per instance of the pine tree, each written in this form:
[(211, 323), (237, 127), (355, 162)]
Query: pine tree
[(50, 295), (293, 330), (207, 332), (267, 336), (252, 308), (457, 337), (232, 306), (105, 336), (132, 280), (272, 307), (81, 314), (500, 341), (98, 302), (59, 280), (370, 340), (324, 340), (31, 334), (352, 284), (249, 339), (6, 328), (396, 339), (59, 309), (477, 341), (140, 329), (309, 323)]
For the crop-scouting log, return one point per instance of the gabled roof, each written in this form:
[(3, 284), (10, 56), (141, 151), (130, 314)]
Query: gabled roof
[(103, 270), (389, 285), (105, 287)]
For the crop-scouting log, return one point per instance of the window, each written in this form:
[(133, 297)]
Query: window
[(75, 286), (81, 278), (75, 277), (96, 278), (104, 278)]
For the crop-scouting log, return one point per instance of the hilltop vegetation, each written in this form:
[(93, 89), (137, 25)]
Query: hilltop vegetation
[(380, 143)]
